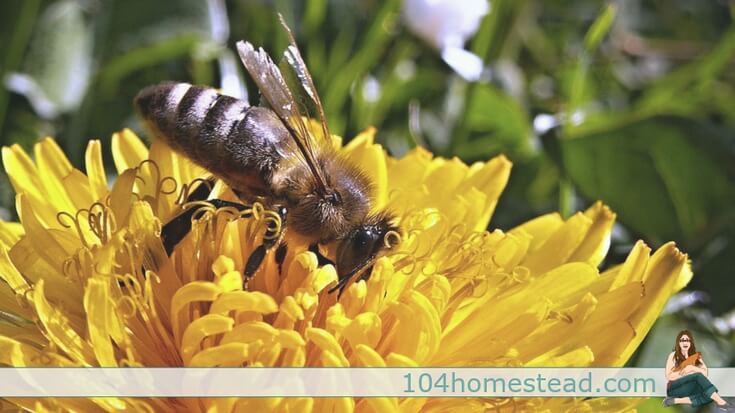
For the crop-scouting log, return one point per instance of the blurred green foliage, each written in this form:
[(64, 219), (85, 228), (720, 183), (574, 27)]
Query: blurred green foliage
[(630, 101)]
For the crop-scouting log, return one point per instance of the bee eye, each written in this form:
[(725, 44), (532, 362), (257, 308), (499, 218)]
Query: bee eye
[(357, 250), (362, 240)]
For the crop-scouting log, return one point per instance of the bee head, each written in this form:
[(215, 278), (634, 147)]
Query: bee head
[(328, 214), (364, 243)]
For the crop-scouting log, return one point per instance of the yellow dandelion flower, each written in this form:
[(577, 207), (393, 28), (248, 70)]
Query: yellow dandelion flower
[(451, 294)]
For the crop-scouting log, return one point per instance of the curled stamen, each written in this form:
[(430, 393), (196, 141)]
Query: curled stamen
[(158, 179), (108, 200), (403, 263), (74, 223), (162, 185), (475, 282), (101, 223), (126, 307), (273, 222), (186, 189), (392, 239), (430, 269), (74, 267), (257, 210)]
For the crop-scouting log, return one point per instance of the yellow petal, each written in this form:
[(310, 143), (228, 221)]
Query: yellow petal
[(559, 247), (121, 196), (634, 267), (201, 328), (58, 330), (15, 353), (189, 293), (490, 178), (95, 170), (408, 172), (540, 228), (662, 273), (127, 150), (365, 329), (98, 305), (244, 301), (53, 167), (597, 240), (46, 246), (580, 357), (251, 331), (10, 233), (378, 404), (77, 186), (328, 344), (10, 274), (25, 178), (226, 355), (399, 360)]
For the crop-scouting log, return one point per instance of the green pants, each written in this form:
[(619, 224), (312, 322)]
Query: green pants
[(695, 386)]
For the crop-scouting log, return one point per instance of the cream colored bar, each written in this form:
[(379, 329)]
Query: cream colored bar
[(352, 382)]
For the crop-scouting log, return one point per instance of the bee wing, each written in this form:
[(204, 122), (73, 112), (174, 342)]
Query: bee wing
[(292, 56), (275, 91)]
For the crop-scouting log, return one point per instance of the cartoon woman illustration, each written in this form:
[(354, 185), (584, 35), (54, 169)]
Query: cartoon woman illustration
[(687, 376)]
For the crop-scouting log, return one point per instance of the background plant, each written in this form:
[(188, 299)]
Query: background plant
[(630, 102)]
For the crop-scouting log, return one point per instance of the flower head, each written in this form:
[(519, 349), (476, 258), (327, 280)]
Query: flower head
[(88, 283)]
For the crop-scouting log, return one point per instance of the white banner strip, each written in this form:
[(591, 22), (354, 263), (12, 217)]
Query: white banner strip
[(340, 382)]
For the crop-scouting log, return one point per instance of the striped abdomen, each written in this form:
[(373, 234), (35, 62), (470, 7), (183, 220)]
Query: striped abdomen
[(239, 143)]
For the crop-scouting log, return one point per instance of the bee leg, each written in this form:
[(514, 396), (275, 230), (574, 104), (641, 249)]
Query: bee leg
[(202, 191), (366, 275), (273, 235), (175, 230), (341, 284), (321, 259), (281, 252)]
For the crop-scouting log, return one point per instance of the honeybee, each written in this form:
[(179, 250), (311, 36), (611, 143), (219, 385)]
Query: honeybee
[(268, 154)]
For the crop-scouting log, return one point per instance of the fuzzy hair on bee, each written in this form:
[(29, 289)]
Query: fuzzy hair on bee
[(269, 154)]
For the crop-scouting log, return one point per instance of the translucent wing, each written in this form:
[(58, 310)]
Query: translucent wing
[(275, 91), (293, 58)]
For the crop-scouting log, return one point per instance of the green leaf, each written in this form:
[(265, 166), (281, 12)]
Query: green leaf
[(659, 182), (600, 28), (498, 123), (695, 80)]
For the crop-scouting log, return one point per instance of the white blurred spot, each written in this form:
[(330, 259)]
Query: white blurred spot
[(444, 23), (405, 69), (577, 117), (466, 64), (25, 85), (544, 122), (231, 83), (371, 89), (219, 26)]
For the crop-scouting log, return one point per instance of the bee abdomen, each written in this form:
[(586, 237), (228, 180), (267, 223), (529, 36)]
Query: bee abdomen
[(241, 144), (189, 118), (216, 133)]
